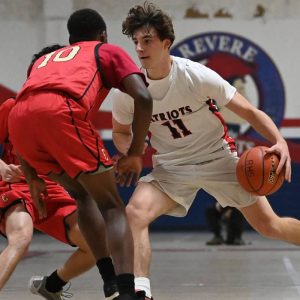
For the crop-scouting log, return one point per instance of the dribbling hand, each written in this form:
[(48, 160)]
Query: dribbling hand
[(281, 148)]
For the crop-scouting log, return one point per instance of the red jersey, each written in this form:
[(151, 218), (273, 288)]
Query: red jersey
[(59, 204), (7, 155), (84, 71), (5, 108)]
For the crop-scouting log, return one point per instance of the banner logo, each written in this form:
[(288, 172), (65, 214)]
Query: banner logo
[(246, 66)]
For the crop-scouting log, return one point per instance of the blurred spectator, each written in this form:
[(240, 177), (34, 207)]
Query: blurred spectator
[(218, 217)]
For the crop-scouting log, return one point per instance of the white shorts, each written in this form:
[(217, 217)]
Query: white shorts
[(217, 178)]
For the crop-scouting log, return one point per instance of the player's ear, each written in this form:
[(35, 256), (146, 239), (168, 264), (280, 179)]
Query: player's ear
[(103, 36), (167, 43)]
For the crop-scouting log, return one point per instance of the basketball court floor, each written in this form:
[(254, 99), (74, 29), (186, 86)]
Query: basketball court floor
[(183, 268)]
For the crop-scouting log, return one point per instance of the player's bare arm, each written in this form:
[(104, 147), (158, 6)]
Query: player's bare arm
[(122, 136), (135, 87), (37, 187), (129, 167), (263, 124)]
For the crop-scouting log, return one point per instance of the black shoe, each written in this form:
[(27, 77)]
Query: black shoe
[(111, 291), (141, 295), (216, 240), (236, 242)]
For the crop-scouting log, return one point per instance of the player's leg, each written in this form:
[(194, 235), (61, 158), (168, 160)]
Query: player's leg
[(90, 220), (61, 223), (263, 219), (82, 259), (146, 204), (256, 210), (98, 213), (92, 227), (18, 230), (103, 189)]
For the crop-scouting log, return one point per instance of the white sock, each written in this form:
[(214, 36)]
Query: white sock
[(143, 284)]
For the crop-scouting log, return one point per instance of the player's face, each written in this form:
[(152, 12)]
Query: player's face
[(149, 48)]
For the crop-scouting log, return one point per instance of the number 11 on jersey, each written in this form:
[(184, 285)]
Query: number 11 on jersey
[(177, 129)]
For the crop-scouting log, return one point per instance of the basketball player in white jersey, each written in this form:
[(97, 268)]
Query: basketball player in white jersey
[(193, 149)]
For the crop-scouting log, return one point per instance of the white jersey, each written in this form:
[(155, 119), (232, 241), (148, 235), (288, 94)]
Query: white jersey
[(186, 127)]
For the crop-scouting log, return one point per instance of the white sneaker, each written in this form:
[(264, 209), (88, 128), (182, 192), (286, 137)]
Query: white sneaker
[(37, 286)]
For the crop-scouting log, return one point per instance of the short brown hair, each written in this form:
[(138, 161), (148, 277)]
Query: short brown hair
[(148, 15)]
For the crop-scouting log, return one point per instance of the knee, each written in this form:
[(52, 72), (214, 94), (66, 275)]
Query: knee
[(136, 217), (20, 240), (24, 243)]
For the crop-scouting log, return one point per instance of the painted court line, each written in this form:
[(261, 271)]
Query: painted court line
[(292, 273)]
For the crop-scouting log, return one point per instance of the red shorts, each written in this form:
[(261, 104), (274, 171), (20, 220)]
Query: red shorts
[(59, 205), (53, 134)]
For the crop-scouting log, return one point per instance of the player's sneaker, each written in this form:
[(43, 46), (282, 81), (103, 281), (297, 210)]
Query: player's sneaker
[(141, 295), (37, 286), (111, 290)]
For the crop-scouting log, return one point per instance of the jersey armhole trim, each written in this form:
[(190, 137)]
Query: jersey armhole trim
[(99, 68)]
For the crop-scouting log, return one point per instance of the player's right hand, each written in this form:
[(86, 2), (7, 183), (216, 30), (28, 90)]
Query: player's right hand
[(38, 193), (281, 148), (128, 169)]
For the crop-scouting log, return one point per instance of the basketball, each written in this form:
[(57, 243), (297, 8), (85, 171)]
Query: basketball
[(256, 171)]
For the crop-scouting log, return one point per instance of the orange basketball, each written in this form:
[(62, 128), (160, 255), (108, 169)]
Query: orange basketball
[(256, 171)]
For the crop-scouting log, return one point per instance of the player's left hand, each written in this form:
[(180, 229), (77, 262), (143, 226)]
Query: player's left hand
[(11, 173), (128, 169), (281, 148), (38, 193)]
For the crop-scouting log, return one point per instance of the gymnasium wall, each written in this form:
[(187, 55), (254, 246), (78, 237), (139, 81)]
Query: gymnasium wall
[(252, 44)]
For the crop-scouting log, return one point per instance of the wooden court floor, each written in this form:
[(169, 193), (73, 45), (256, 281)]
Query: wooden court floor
[(183, 268)]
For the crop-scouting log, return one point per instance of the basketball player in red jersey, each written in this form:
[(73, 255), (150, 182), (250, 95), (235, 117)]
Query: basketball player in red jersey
[(50, 131), (18, 216)]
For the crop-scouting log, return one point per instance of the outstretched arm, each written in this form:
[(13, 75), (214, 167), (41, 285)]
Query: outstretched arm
[(143, 103), (37, 187), (129, 167), (122, 137), (263, 124)]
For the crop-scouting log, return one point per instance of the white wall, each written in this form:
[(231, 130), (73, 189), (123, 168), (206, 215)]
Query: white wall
[(28, 25)]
